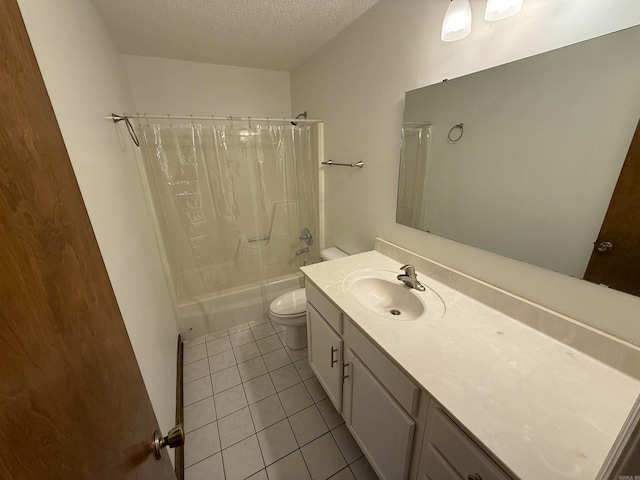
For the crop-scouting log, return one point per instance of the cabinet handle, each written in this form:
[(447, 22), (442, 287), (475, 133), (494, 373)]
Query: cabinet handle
[(333, 360), (475, 476), (344, 377)]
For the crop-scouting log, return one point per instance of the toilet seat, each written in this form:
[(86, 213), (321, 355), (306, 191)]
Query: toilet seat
[(290, 310), (289, 305)]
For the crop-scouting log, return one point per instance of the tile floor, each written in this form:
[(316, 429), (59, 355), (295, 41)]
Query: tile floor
[(255, 410)]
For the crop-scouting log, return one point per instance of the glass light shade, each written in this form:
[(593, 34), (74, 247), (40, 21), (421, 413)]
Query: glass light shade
[(499, 9), (457, 21)]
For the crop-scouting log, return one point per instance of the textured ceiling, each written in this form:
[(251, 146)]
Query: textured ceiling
[(272, 34)]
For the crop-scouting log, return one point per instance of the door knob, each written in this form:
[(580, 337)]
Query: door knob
[(604, 246), (174, 438)]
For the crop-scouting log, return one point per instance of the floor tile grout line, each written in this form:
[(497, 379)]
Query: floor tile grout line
[(256, 434), (220, 441), (191, 381), (315, 403), (299, 446), (340, 449), (323, 421), (200, 427), (205, 458), (195, 401)]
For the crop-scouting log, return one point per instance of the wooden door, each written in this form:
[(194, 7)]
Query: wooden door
[(619, 266), (72, 400)]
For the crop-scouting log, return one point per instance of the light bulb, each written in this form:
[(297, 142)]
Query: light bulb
[(499, 9), (457, 21)]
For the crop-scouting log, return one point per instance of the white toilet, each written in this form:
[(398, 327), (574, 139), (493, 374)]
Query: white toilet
[(290, 309)]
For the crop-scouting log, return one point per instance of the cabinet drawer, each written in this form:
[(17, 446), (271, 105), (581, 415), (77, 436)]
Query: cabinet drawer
[(399, 385), (328, 310), (457, 449), (438, 468)]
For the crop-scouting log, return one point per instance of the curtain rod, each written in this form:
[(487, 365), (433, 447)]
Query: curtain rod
[(126, 116), (167, 116)]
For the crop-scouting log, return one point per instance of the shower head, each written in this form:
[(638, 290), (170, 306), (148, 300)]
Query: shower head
[(303, 115)]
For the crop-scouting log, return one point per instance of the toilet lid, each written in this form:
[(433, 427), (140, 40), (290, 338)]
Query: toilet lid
[(290, 303)]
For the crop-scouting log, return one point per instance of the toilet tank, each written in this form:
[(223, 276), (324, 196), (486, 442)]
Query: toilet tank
[(332, 253)]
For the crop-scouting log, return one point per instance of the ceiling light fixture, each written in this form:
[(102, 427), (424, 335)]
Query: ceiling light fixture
[(499, 9), (457, 21)]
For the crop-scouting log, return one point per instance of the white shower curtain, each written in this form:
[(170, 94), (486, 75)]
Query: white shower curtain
[(414, 169), (230, 201)]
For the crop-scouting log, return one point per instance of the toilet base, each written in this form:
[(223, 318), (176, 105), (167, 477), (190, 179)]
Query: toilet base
[(296, 337)]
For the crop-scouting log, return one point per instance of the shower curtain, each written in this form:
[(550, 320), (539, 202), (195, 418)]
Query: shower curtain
[(414, 169), (230, 201)]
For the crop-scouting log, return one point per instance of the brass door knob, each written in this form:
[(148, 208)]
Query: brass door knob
[(604, 246), (174, 439)]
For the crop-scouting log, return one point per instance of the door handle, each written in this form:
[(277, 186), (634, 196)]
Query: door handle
[(174, 438), (333, 360), (604, 246)]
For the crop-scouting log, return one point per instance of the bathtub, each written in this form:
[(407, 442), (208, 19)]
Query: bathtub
[(231, 307)]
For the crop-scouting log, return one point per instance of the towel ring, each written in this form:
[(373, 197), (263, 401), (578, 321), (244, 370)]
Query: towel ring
[(455, 139)]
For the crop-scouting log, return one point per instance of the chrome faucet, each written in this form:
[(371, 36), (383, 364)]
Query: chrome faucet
[(410, 279), (301, 251)]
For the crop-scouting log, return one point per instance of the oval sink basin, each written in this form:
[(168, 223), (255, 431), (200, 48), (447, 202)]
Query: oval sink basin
[(381, 292)]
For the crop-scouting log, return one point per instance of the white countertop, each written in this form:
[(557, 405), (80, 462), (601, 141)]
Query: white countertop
[(545, 409)]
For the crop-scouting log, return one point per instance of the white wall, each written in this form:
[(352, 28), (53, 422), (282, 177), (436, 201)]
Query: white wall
[(162, 85), (356, 83), (86, 80)]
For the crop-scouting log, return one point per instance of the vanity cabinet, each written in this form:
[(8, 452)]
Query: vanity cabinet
[(382, 428), (402, 432), (378, 402), (325, 355), (448, 453)]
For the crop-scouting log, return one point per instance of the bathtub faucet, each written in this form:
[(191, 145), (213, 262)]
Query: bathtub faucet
[(301, 251)]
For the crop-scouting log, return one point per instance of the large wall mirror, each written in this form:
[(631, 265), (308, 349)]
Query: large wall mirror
[(522, 159)]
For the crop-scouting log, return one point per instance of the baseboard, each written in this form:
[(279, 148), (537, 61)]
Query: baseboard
[(179, 458)]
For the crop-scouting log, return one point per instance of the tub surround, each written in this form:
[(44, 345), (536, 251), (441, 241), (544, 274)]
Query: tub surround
[(543, 408), (232, 307)]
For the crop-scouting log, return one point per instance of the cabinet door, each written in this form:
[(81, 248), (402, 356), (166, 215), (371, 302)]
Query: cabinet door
[(325, 355), (381, 427), (448, 449)]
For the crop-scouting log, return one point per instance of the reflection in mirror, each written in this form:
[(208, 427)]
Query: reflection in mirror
[(543, 144), (412, 180)]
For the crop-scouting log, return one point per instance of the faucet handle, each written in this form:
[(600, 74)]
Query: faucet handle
[(408, 269)]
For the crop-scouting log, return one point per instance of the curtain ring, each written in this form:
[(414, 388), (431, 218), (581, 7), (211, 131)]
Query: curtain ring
[(455, 139), (169, 120), (130, 129), (249, 122), (144, 115)]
